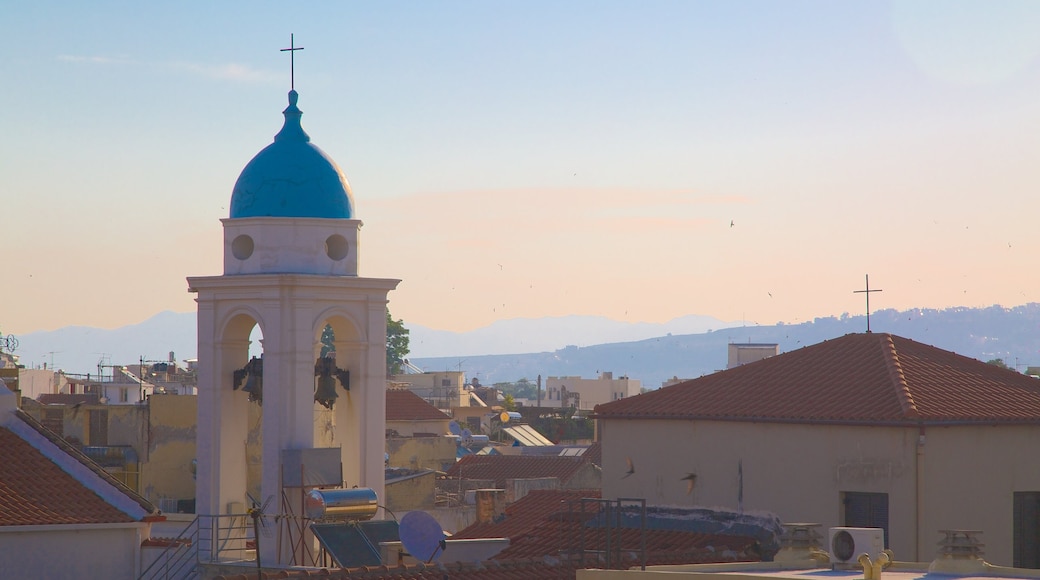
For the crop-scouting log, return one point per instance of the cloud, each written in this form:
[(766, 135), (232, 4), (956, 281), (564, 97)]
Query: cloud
[(228, 71)]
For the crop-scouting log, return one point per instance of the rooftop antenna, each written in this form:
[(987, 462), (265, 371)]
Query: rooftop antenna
[(292, 60), (867, 291)]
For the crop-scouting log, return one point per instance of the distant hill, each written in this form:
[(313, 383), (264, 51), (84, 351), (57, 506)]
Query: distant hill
[(982, 333), (580, 345)]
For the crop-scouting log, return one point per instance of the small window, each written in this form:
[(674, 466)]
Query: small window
[(123, 396), (866, 510), (445, 382)]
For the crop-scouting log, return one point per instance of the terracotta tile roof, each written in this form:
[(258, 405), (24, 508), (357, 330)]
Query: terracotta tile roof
[(594, 454), (856, 379), (527, 513), (35, 491), (404, 405), (499, 468)]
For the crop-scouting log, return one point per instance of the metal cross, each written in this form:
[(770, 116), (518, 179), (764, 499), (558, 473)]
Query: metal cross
[(292, 60), (867, 292)]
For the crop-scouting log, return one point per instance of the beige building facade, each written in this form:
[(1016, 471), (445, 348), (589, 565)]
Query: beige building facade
[(862, 431), (585, 394)]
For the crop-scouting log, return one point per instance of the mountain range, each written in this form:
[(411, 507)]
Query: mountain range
[(508, 350)]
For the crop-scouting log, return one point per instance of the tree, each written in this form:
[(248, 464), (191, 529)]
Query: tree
[(328, 341), (508, 403), (998, 362), (396, 344)]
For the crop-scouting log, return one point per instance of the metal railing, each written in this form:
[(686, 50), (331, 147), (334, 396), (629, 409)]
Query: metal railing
[(207, 538)]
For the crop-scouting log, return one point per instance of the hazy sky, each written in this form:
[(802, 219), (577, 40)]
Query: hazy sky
[(636, 160)]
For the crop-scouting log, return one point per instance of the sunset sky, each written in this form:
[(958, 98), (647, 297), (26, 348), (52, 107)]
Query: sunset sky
[(635, 160)]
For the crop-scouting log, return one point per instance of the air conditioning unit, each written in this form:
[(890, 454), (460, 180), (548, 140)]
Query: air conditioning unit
[(846, 544)]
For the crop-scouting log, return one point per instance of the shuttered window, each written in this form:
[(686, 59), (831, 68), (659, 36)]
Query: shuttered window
[(866, 510), (1027, 529)]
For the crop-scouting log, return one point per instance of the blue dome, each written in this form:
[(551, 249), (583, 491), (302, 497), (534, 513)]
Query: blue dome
[(292, 178)]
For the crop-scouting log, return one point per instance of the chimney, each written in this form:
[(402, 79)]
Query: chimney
[(489, 504)]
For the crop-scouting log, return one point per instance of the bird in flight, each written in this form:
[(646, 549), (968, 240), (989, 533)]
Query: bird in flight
[(631, 468), (730, 223), (690, 479)]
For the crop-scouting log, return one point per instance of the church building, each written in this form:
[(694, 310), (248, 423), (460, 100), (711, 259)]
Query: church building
[(291, 266)]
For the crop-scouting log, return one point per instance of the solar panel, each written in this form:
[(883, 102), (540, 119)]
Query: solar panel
[(354, 544)]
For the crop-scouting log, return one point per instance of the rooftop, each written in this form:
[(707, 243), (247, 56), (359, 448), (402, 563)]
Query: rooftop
[(404, 405), (45, 481), (855, 379), (502, 467)]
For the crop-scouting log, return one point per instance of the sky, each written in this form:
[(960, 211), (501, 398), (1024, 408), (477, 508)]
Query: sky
[(641, 161)]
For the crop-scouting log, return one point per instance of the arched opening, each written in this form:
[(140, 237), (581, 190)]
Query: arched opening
[(338, 351)]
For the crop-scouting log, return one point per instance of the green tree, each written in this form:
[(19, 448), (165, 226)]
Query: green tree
[(508, 403), (328, 341), (396, 344), (998, 362)]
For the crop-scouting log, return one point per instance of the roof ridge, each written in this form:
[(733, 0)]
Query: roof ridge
[(87, 462), (895, 372)]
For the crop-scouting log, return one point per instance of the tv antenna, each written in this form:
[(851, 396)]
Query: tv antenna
[(8, 343), (256, 512)]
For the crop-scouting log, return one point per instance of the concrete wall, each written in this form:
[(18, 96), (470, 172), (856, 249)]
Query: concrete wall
[(71, 552), (410, 428), (411, 493), (437, 453), (965, 475), (167, 473)]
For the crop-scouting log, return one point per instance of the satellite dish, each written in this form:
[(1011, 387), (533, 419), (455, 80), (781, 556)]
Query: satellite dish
[(467, 436), (454, 428), (422, 536), (504, 417)]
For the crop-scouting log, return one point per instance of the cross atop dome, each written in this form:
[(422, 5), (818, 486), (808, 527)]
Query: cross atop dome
[(292, 61)]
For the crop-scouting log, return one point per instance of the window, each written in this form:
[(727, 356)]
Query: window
[(123, 396), (98, 428), (54, 419), (866, 510), (1027, 529), (445, 382)]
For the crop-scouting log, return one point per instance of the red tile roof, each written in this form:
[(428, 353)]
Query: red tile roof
[(856, 379), (594, 454), (404, 405), (527, 513), (35, 491), (502, 467)]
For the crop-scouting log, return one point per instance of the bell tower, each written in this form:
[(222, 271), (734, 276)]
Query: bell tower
[(291, 246)]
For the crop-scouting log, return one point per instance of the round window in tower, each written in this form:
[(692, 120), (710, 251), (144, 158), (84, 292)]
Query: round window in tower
[(242, 247), (336, 247)]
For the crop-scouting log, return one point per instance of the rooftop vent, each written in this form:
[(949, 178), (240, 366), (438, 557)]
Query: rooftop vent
[(800, 541), (960, 553)]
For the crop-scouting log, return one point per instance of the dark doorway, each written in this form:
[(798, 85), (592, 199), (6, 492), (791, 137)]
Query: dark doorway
[(1027, 529)]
